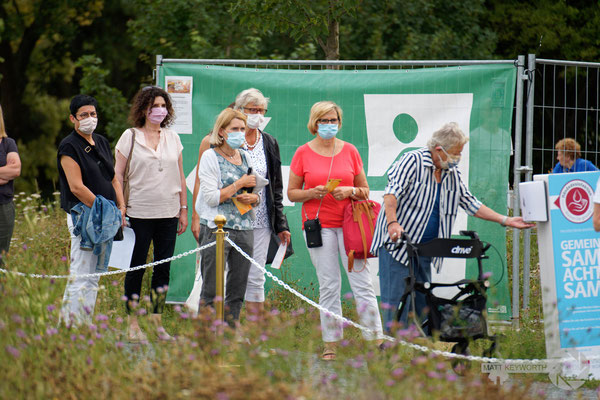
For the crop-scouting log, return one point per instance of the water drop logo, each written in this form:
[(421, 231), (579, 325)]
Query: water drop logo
[(575, 201)]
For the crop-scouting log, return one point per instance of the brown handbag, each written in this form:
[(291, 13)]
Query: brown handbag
[(126, 173)]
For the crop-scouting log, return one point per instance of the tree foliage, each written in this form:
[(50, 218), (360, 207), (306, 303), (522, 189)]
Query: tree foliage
[(318, 20), (51, 50)]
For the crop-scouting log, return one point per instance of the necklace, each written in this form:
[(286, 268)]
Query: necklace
[(252, 146), (232, 157)]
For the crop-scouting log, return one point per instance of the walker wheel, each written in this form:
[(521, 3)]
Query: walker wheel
[(460, 366)]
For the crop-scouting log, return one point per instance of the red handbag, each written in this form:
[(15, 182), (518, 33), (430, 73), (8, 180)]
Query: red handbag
[(358, 227)]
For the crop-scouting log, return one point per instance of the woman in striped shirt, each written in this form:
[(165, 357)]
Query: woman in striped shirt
[(421, 198)]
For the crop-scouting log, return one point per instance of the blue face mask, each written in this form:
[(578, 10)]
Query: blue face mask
[(327, 131), (451, 162), (235, 139)]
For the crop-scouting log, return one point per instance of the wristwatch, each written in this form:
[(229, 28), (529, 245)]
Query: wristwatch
[(184, 207), (353, 191)]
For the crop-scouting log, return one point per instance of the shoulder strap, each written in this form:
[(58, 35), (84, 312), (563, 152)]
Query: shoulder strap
[(126, 173)]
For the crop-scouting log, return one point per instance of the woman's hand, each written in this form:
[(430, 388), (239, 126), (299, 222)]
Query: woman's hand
[(183, 221), (285, 237), (395, 231), (342, 192), (247, 198), (196, 226), (246, 181), (318, 192), (517, 222), (123, 210)]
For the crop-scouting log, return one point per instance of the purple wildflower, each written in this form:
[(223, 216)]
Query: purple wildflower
[(13, 351), (51, 307)]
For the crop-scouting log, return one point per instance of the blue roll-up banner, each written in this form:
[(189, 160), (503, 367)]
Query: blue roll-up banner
[(569, 251)]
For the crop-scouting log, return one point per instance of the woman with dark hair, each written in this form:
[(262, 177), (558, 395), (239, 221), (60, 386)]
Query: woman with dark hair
[(157, 203), (10, 168)]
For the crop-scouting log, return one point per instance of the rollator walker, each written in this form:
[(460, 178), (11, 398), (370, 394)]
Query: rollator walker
[(461, 319)]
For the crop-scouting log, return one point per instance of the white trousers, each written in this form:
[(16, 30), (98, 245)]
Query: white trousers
[(327, 263), (80, 294), (255, 289)]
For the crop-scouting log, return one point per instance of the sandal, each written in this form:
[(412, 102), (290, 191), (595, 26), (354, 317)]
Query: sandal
[(137, 336), (328, 354)]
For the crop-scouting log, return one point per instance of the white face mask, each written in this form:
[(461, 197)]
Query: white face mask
[(254, 120), (88, 125)]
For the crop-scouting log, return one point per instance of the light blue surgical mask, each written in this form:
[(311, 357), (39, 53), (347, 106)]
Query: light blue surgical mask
[(451, 162), (235, 139), (327, 131)]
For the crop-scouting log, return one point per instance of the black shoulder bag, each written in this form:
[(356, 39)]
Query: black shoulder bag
[(312, 227)]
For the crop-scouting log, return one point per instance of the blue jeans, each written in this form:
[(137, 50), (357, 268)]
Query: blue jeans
[(392, 281)]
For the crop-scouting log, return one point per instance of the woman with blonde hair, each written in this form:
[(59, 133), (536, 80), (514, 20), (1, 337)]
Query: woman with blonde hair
[(10, 168), (224, 174), (314, 164), (568, 154)]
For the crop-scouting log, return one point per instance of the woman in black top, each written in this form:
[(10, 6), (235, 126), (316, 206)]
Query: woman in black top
[(85, 171), (10, 168)]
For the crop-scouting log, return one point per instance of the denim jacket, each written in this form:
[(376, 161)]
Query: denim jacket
[(97, 227)]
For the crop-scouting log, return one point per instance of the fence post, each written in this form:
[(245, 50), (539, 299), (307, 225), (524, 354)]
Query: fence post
[(528, 173), (156, 71), (220, 278), (516, 180)]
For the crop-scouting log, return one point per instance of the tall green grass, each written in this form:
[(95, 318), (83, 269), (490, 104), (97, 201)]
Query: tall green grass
[(272, 357)]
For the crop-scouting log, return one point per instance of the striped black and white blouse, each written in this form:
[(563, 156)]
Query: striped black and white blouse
[(411, 179)]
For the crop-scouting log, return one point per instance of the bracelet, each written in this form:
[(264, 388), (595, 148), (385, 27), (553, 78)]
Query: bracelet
[(393, 222), (353, 191), (503, 223), (184, 207), (235, 186)]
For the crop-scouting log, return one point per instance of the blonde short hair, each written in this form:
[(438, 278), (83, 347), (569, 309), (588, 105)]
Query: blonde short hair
[(318, 110), (2, 128), (223, 120), (447, 137), (569, 147)]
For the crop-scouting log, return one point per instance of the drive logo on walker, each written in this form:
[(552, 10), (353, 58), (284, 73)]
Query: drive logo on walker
[(575, 201), (576, 258), (461, 250)]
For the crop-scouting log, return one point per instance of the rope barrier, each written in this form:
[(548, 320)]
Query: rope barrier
[(116, 272), (423, 349), (340, 318)]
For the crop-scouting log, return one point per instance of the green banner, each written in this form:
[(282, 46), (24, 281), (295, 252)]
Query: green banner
[(386, 113)]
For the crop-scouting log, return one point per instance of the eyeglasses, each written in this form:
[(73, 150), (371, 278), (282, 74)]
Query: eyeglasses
[(262, 111), (328, 121), (85, 115)]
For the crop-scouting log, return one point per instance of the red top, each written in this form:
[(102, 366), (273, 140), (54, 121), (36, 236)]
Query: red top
[(314, 168)]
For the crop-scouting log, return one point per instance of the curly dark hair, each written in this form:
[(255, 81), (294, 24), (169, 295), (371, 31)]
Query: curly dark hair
[(142, 102)]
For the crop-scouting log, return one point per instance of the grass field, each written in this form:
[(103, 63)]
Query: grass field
[(275, 357)]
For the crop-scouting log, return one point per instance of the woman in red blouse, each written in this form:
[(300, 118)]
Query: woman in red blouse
[(314, 164)]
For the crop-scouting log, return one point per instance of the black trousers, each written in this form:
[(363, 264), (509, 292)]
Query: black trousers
[(162, 232)]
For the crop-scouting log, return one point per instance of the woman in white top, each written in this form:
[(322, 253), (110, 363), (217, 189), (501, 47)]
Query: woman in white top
[(157, 205), (225, 181)]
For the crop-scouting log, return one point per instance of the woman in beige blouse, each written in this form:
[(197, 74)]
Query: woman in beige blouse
[(157, 205)]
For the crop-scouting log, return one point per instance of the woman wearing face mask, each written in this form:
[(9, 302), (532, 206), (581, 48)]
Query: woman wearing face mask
[(263, 150), (421, 198), (315, 163), (157, 205), (223, 173)]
